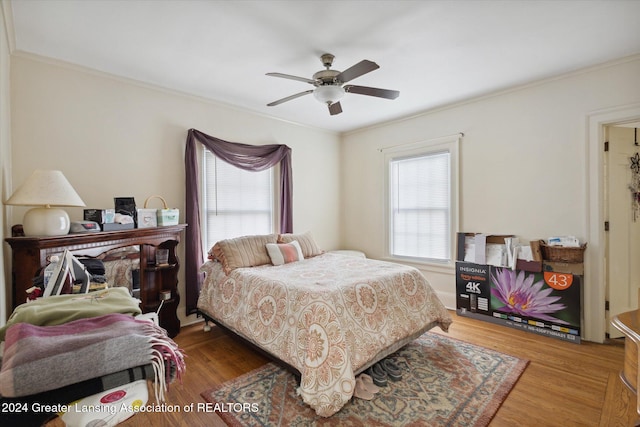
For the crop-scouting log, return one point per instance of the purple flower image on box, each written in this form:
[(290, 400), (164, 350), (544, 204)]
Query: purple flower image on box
[(520, 295)]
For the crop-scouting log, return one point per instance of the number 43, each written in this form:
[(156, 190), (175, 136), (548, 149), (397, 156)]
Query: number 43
[(559, 281)]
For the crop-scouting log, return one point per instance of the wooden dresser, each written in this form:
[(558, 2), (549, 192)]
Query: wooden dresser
[(629, 324), (156, 282)]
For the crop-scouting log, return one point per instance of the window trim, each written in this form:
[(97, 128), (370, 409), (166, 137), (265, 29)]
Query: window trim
[(448, 144)]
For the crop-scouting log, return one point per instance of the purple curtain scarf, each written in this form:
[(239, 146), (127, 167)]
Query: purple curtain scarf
[(248, 157)]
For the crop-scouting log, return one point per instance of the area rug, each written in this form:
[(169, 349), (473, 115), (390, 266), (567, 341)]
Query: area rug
[(445, 382)]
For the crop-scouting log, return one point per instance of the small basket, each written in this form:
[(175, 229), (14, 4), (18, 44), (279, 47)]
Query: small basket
[(562, 254), (164, 216)]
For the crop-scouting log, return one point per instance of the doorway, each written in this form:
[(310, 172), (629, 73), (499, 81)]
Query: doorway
[(622, 219), (595, 323)]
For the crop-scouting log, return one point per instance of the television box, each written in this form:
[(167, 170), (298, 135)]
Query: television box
[(553, 304), (473, 292), (494, 294)]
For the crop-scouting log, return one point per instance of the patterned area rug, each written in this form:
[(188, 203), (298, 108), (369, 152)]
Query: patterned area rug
[(446, 382)]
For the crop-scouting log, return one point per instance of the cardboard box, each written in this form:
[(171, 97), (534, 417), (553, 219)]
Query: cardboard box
[(534, 266), (576, 268), (480, 255)]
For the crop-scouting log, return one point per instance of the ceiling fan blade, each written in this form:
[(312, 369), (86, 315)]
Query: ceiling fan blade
[(372, 91), (288, 76), (335, 108), (289, 98), (361, 68)]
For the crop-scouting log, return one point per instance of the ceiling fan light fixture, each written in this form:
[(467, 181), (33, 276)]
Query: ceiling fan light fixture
[(329, 85), (328, 94)]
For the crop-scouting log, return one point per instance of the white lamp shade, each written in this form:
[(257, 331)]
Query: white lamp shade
[(45, 188), (328, 94)]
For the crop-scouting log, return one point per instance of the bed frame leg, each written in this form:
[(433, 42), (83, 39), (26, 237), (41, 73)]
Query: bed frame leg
[(207, 326)]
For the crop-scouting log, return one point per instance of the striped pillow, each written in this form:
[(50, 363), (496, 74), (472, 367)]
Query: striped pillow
[(284, 253), (307, 243), (245, 251)]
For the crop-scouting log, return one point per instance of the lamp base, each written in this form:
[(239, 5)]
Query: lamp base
[(46, 222)]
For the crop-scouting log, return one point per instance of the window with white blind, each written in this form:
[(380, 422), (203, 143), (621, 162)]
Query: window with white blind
[(422, 201), (235, 202)]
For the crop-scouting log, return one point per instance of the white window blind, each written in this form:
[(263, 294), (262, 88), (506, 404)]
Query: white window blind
[(420, 206), (235, 202)]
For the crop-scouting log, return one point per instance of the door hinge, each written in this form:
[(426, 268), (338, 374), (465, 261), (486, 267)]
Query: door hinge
[(606, 226), (606, 306), (606, 146)]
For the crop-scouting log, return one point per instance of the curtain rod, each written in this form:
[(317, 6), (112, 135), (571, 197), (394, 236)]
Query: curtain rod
[(459, 135)]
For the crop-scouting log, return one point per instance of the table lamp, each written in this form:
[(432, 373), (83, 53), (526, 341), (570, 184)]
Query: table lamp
[(46, 189)]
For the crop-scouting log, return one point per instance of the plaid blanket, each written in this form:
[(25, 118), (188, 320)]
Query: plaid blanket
[(41, 358), (60, 309)]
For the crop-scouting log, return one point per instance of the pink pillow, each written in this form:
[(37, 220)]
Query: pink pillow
[(284, 253)]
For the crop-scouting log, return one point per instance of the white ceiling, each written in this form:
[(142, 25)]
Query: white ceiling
[(434, 52)]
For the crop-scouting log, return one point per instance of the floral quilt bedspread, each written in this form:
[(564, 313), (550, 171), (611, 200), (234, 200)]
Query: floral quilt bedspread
[(327, 316)]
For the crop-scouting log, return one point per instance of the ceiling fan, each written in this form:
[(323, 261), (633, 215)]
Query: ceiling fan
[(330, 87)]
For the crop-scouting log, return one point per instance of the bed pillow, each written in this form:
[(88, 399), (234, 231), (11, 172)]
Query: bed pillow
[(284, 253), (306, 241), (245, 251)]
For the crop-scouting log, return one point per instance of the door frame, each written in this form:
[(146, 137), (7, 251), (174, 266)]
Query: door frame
[(595, 281)]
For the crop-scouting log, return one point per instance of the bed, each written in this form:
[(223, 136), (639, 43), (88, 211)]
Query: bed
[(329, 316)]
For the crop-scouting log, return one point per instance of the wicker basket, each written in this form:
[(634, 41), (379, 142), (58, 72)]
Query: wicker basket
[(562, 254)]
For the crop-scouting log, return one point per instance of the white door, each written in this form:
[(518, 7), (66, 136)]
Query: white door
[(623, 237)]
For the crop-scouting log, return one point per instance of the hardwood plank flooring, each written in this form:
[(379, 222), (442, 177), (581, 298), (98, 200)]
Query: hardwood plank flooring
[(565, 384)]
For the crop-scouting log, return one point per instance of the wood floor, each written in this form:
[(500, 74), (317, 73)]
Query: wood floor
[(564, 384)]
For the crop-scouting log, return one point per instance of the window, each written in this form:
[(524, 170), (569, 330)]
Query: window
[(235, 202), (422, 201)]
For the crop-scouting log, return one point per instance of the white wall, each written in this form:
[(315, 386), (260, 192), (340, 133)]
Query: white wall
[(523, 161), (112, 137)]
